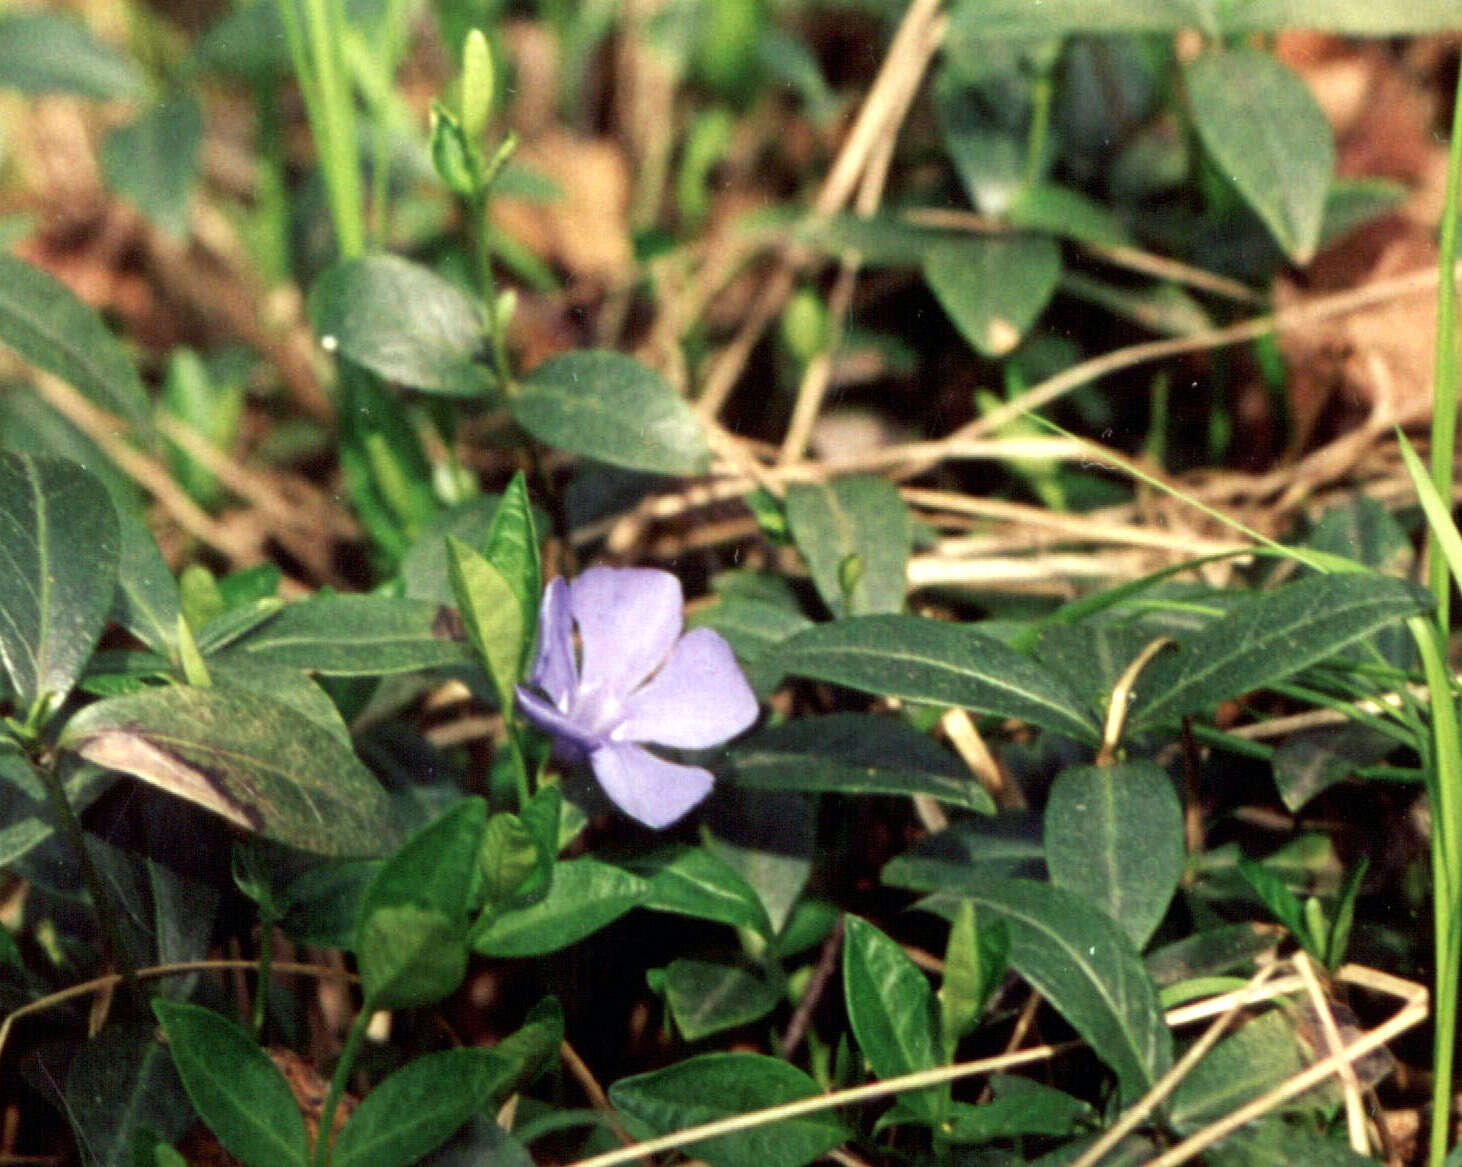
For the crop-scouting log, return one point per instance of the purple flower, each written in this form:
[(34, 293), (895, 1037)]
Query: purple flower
[(635, 679)]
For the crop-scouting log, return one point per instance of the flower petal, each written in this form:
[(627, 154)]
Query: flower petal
[(698, 699), (555, 671), (547, 717), (646, 787), (628, 620)]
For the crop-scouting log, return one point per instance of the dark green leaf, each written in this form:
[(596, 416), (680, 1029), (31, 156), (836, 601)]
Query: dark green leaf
[(1028, 1109), (1080, 961), (424, 566), (25, 814), (418, 1107), (46, 325), (609, 407), (41, 52), (235, 1087), (768, 837), (1006, 846), (146, 602), (585, 895), (1311, 761), (854, 753), (715, 1086), (59, 547), (860, 519), (1213, 952), (120, 1083), (890, 1007), (1237, 1070), (936, 662), (285, 685), (1114, 834), (252, 760), (994, 287), (1269, 136), (404, 323), (412, 945), (706, 998), (153, 162), (356, 636), (531, 1047), (1276, 895), (1275, 1140), (1267, 637), (690, 881), (1061, 211)]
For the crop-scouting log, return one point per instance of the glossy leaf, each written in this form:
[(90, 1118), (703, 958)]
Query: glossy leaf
[(715, 1086), (255, 761), (59, 548), (1268, 135), (1080, 961), (890, 1006), (854, 753), (993, 288), (412, 944), (933, 661), (585, 895), (42, 52), (690, 881), (418, 1107), (705, 997), (234, 1086), (1114, 834), (153, 161), (404, 323), (1267, 637), (611, 408), (355, 636), (859, 520), (45, 324)]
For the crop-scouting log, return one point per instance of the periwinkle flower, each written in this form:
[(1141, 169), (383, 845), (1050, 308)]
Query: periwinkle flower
[(635, 679)]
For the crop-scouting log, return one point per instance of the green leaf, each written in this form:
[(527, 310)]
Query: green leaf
[(491, 614), (1237, 1070), (890, 1007), (1080, 961), (45, 324), (512, 548), (1267, 133), (1029, 1108), (418, 1107), (355, 636), (286, 686), (974, 963), (1019, 19), (532, 1047), (1276, 895), (611, 408), (690, 881), (235, 1087), (412, 945), (153, 162), (41, 52), (716, 1086), (854, 753), (860, 516), (1007, 845), (935, 662), (1267, 637), (119, 1084), (993, 288), (585, 895), (705, 997), (25, 812), (1114, 834), (59, 547), (1210, 953), (404, 323), (146, 601), (1061, 211), (1311, 761), (252, 760)]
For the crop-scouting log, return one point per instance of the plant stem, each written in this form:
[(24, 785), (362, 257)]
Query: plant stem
[(1446, 845), (324, 1138), (70, 827)]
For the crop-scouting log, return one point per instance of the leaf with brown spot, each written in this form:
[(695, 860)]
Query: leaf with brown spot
[(245, 756)]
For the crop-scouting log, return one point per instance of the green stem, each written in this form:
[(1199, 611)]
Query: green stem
[(261, 985), (1447, 816), (343, 1065), (1042, 92), (70, 827)]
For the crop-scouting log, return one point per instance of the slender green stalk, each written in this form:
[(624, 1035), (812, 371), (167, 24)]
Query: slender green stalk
[(1447, 764), (1042, 93), (343, 1065)]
